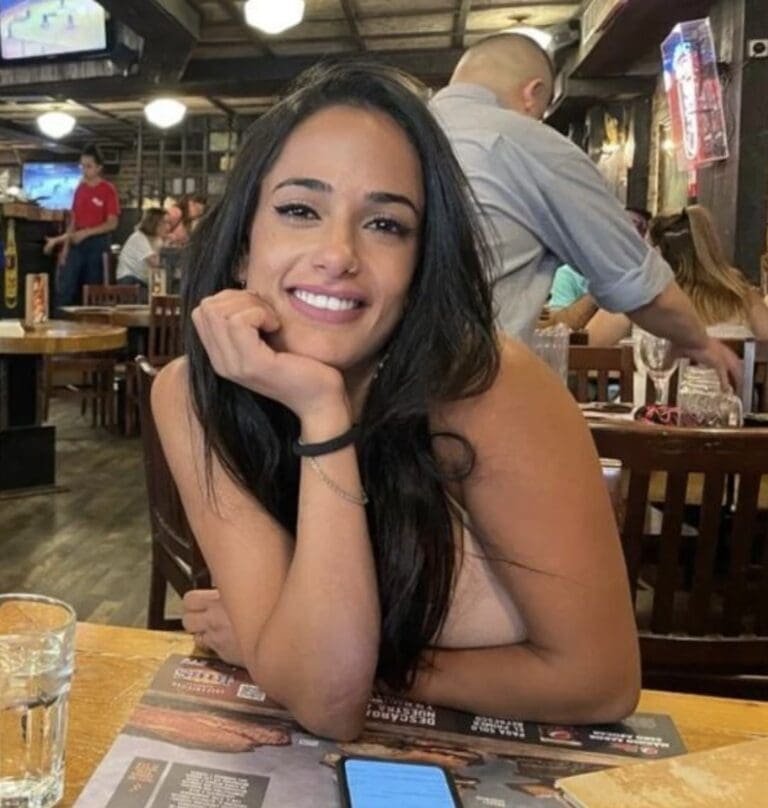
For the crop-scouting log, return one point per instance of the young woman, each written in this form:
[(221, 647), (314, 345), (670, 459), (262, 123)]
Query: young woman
[(191, 208), (142, 248), (95, 213), (727, 303), (386, 496)]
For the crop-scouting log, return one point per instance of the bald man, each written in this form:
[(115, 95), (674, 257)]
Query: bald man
[(544, 203)]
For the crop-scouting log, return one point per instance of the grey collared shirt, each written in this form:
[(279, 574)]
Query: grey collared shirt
[(544, 203)]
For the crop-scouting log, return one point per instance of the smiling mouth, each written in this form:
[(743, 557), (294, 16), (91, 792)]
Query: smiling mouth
[(326, 302)]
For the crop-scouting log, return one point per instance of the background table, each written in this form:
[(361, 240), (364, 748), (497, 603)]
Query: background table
[(115, 665), (133, 316), (27, 447)]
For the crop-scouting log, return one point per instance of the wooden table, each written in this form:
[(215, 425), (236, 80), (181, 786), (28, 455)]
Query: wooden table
[(27, 447), (115, 665), (128, 316)]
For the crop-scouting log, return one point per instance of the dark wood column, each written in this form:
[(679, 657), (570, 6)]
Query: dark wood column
[(718, 183), (752, 197)]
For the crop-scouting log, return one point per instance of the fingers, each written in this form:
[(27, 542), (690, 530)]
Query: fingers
[(197, 600), (201, 612), (229, 325)]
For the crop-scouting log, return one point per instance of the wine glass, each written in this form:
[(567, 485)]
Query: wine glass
[(656, 355)]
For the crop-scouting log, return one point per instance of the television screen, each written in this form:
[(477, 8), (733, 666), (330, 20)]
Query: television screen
[(41, 28), (51, 184)]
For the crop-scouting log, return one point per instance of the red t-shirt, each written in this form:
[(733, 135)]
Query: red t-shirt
[(93, 203)]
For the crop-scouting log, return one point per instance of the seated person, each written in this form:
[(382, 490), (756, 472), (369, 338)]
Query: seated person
[(142, 248), (570, 301), (724, 299), (368, 466), (191, 208)]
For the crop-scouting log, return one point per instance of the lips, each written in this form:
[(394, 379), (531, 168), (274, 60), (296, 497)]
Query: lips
[(341, 306)]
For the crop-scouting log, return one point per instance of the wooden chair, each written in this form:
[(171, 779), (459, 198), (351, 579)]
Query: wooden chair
[(96, 385), (590, 370), (117, 294), (164, 343), (176, 557), (701, 596), (754, 353), (165, 332)]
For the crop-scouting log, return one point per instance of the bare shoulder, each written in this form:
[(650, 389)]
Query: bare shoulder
[(177, 425), (524, 390), (171, 386)]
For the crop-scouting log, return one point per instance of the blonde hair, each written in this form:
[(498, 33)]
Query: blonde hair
[(689, 243)]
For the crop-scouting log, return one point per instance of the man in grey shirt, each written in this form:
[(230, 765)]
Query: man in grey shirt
[(544, 203)]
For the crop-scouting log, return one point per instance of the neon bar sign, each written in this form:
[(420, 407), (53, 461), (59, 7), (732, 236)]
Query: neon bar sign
[(693, 91)]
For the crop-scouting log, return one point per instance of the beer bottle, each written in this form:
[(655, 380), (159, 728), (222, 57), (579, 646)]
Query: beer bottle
[(11, 284)]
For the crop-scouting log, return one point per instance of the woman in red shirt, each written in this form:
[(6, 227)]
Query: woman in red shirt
[(95, 212)]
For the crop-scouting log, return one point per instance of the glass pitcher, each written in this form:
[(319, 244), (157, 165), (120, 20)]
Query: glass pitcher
[(704, 403)]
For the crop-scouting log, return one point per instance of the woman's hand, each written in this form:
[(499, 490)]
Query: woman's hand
[(232, 324), (205, 618)]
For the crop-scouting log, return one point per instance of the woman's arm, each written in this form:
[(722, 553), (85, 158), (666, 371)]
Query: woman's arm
[(536, 498), (305, 613)]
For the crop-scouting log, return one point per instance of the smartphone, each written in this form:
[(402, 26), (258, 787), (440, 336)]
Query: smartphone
[(374, 783)]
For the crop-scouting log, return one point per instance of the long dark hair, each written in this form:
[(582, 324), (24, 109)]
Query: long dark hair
[(444, 348), (689, 242)]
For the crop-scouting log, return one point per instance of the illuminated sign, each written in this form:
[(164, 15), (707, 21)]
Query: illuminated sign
[(693, 91)]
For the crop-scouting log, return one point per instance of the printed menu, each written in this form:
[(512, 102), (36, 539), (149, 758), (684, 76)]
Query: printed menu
[(205, 736)]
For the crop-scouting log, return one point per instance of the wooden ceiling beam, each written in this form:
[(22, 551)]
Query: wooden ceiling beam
[(460, 23), (348, 8)]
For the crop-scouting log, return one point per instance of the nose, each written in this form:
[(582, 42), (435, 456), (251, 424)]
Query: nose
[(337, 253)]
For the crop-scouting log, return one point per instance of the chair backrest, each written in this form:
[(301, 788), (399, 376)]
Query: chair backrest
[(699, 578), (590, 370), (754, 354), (110, 294), (175, 551), (165, 334)]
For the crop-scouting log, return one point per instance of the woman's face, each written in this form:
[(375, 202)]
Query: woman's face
[(335, 238), (196, 209), (163, 227), (90, 168)]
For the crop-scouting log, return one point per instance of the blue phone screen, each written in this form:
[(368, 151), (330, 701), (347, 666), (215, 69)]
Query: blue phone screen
[(383, 784)]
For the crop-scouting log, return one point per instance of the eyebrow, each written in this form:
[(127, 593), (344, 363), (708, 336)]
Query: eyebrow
[(381, 197)]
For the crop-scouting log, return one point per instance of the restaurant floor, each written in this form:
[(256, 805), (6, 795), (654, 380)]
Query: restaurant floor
[(88, 543)]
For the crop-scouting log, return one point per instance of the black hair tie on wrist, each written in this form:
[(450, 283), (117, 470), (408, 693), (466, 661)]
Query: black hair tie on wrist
[(327, 446)]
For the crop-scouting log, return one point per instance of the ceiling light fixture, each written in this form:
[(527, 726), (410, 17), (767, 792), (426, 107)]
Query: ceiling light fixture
[(274, 16), (56, 124), (165, 112)]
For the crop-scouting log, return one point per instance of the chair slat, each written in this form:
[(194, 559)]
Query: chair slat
[(669, 553), (741, 540), (706, 548), (633, 534)]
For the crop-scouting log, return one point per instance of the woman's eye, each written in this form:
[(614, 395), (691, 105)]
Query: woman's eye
[(296, 211), (384, 224)]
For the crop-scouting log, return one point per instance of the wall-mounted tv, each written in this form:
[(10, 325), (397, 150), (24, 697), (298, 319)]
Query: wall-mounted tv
[(51, 184), (35, 29)]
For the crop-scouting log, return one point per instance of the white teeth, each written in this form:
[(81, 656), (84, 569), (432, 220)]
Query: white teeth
[(324, 301)]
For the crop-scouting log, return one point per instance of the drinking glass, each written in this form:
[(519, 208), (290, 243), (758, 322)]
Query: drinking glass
[(551, 344), (655, 354), (36, 658)]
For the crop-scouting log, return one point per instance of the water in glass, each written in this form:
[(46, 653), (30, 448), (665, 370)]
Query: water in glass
[(36, 661)]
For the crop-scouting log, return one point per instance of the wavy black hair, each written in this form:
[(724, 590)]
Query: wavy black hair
[(443, 349)]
